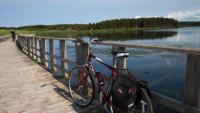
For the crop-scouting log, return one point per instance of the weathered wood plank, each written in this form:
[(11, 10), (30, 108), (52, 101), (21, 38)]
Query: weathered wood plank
[(192, 87), (28, 46), (51, 46), (62, 55), (42, 50), (32, 89), (32, 53), (173, 104), (159, 48), (82, 50), (35, 47), (121, 62), (151, 47)]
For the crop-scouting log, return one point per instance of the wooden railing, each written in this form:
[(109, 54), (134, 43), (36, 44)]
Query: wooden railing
[(35, 48), (4, 38)]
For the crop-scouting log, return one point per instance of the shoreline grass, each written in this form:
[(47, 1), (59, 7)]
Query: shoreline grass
[(79, 33), (4, 32), (74, 33)]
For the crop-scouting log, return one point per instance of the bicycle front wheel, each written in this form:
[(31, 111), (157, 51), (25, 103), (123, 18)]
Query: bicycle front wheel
[(81, 86), (144, 105)]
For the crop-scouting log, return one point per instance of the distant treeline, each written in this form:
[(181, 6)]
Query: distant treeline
[(112, 24), (57, 27), (116, 24), (136, 23), (5, 28)]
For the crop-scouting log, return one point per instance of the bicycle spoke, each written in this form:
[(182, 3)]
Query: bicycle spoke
[(143, 106)]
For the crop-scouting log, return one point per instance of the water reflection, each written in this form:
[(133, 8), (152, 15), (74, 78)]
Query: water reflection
[(185, 37), (132, 35)]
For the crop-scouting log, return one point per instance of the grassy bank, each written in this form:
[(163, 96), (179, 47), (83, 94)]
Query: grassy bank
[(4, 32), (7, 32), (76, 33)]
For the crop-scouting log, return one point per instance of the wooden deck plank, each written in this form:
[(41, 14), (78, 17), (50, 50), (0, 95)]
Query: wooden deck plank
[(27, 87)]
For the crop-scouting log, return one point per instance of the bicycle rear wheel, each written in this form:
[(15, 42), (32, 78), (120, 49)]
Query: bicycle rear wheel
[(144, 105), (81, 86)]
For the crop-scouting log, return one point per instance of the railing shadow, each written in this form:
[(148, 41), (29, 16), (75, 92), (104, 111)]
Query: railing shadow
[(96, 107)]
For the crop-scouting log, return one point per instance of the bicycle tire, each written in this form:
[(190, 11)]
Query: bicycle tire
[(144, 97), (76, 73)]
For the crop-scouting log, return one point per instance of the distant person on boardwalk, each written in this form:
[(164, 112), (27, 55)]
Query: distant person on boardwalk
[(13, 34)]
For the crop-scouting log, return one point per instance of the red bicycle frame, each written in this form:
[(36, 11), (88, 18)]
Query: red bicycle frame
[(113, 74)]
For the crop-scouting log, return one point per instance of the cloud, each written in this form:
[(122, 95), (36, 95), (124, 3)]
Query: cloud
[(145, 17), (137, 17), (190, 15)]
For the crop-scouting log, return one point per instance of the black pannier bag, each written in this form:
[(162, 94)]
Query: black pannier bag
[(124, 91)]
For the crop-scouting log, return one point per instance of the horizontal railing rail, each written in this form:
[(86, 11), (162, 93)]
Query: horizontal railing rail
[(4, 38), (35, 48), (158, 48), (151, 47)]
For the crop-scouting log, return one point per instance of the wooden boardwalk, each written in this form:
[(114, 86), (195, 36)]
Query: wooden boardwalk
[(25, 87)]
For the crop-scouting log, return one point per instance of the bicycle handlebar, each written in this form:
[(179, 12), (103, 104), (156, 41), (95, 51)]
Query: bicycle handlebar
[(95, 40)]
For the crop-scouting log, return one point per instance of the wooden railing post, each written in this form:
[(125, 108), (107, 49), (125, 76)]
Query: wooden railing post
[(62, 55), (18, 38), (36, 55), (82, 50), (25, 43), (113, 58), (28, 45), (32, 53), (42, 51), (22, 41), (121, 62), (51, 46), (192, 87)]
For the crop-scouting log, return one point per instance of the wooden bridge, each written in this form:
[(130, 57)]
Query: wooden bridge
[(26, 87), (29, 84)]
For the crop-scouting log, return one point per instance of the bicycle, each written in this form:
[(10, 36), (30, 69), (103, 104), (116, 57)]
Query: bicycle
[(81, 85)]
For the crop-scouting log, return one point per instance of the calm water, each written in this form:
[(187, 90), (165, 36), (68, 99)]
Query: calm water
[(164, 71)]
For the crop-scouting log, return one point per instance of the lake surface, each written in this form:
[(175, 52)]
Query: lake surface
[(164, 71)]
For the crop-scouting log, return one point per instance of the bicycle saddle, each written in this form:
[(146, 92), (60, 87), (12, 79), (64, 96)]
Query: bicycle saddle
[(119, 54)]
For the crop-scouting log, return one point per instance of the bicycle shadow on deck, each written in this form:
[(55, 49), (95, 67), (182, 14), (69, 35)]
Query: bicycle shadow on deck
[(63, 91)]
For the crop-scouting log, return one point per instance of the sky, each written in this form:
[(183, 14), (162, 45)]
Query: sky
[(15, 13)]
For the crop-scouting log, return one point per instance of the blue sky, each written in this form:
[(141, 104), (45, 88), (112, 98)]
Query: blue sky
[(30, 12)]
